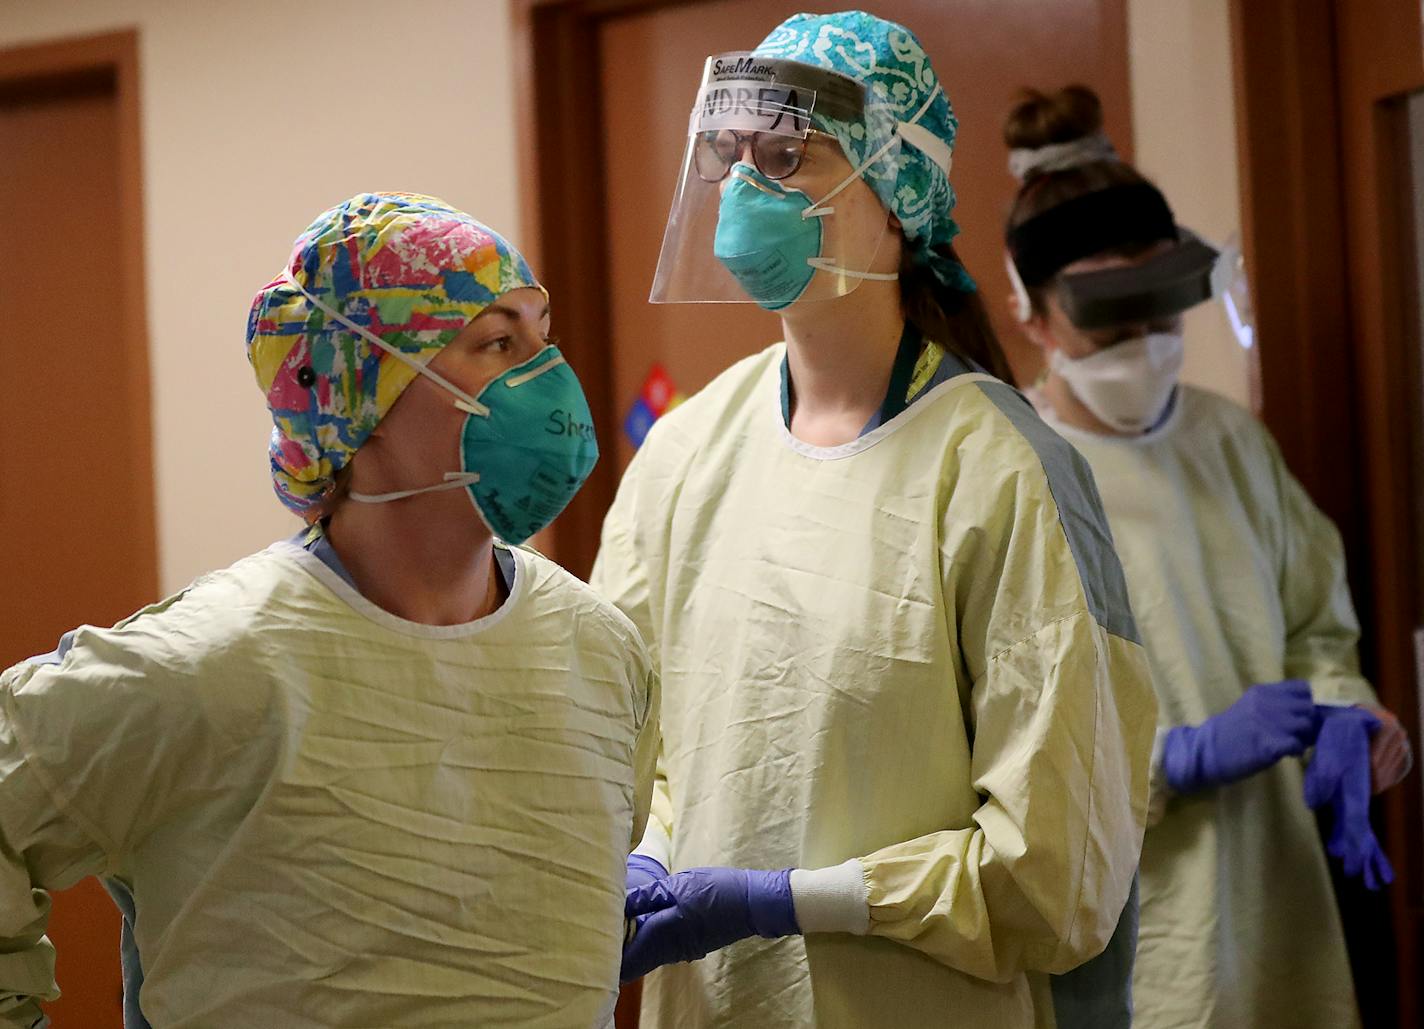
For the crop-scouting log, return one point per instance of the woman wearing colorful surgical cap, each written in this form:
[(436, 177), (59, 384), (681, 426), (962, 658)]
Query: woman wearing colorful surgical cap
[(907, 720), (386, 773), (1238, 584)]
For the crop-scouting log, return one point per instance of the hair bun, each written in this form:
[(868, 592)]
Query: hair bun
[(1055, 133), (1040, 119)]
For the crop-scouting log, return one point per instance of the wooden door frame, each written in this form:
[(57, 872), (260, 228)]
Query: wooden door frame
[(111, 59), (1321, 209), (558, 111)]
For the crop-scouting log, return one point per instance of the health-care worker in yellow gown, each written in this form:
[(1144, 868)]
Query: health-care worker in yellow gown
[(384, 773), (907, 719), (1238, 584)]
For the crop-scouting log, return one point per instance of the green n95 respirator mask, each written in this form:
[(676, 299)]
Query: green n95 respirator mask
[(527, 445)]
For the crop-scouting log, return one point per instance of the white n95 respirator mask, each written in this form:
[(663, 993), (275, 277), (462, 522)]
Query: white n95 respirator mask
[(1127, 385)]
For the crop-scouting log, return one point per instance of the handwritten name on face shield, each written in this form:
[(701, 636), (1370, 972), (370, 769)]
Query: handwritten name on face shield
[(753, 107)]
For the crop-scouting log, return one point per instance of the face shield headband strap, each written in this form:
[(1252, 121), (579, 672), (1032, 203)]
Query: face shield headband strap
[(1132, 214)]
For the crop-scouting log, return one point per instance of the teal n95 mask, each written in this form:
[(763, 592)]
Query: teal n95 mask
[(764, 239), (527, 445)]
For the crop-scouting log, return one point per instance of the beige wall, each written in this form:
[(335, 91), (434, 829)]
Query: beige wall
[(256, 116), (1184, 125)]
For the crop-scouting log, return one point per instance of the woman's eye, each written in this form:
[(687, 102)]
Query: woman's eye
[(500, 344)]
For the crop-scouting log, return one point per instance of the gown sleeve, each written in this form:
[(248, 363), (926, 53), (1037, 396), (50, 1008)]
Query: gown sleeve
[(42, 847), (621, 576), (1322, 630), (1062, 713)]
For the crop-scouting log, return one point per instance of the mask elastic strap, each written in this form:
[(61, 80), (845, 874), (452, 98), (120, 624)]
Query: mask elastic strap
[(1023, 304), (453, 480), (816, 210), (465, 402), (825, 264)]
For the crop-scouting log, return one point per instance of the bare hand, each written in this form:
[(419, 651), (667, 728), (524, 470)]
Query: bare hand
[(1391, 755)]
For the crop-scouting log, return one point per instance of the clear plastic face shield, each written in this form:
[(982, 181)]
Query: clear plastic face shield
[(1160, 288), (762, 212), (1231, 285), (1163, 286)]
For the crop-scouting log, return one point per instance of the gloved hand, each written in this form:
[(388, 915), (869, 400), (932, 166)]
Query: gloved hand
[(1269, 722), (643, 870), (690, 914), (1339, 775)]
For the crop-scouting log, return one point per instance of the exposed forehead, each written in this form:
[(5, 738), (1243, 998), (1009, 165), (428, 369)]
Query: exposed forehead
[(525, 302)]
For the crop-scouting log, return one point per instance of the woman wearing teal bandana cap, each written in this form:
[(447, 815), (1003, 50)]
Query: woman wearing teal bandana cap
[(387, 772), (907, 719)]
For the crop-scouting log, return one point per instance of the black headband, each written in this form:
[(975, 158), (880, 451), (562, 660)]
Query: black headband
[(1131, 214)]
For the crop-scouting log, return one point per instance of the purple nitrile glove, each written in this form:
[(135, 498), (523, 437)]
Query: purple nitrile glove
[(1339, 775), (1269, 722), (643, 870), (690, 914)]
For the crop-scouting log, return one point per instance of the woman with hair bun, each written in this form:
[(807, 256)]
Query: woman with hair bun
[(1238, 584)]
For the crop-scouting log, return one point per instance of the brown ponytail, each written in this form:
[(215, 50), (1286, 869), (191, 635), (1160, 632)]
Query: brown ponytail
[(953, 318)]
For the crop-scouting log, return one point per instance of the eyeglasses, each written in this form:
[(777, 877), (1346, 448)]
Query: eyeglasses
[(776, 156)]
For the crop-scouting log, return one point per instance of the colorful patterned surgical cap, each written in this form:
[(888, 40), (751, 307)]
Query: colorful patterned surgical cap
[(412, 270)]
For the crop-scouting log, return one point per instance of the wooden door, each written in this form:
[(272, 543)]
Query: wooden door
[(1331, 192), (607, 90), (76, 486), (1380, 71)]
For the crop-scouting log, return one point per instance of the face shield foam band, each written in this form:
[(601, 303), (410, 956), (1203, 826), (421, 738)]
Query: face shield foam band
[(745, 82), (754, 94), (1133, 214)]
